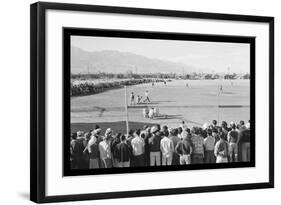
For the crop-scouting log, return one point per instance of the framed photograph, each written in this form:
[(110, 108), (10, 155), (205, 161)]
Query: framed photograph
[(129, 102)]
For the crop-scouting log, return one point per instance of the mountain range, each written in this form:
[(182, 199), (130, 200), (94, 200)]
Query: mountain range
[(112, 61)]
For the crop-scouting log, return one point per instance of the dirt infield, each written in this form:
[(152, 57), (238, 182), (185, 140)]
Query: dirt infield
[(195, 104)]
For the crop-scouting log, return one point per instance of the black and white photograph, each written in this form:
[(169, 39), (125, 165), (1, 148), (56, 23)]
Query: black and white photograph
[(130, 101), (158, 101)]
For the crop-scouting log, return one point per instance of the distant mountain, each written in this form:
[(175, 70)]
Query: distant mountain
[(112, 61)]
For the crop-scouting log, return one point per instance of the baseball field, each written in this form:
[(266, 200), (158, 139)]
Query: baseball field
[(192, 101)]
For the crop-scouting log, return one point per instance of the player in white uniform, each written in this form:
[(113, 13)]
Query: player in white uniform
[(146, 96)]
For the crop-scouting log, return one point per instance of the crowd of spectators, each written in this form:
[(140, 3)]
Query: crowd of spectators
[(161, 146), (88, 88)]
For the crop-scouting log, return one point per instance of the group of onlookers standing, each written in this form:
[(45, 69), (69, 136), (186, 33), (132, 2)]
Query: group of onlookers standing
[(161, 146)]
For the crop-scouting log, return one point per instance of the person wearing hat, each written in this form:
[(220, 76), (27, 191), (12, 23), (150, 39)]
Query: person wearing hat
[(93, 150), (232, 139), (154, 147), (97, 134), (138, 149), (105, 150)]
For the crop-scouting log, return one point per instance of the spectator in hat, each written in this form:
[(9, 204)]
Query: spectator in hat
[(105, 150), (209, 146), (138, 149), (97, 134), (167, 148), (154, 147), (232, 139), (93, 150)]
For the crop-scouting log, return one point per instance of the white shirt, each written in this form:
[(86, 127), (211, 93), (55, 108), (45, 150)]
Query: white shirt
[(166, 146), (209, 143), (151, 113), (137, 145), (105, 151), (146, 94)]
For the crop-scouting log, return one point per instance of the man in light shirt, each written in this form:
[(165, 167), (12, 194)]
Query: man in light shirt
[(105, 150), (209, 146), (221, 149), (167, 148), (138, 149)]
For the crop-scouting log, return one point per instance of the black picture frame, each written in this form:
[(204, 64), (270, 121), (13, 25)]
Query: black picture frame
[(68, 32), (38, 100)]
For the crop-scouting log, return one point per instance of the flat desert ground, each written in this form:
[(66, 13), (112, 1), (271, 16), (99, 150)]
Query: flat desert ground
[(195, 104)]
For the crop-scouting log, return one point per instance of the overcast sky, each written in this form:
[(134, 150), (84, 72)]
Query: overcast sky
[(207, 56)]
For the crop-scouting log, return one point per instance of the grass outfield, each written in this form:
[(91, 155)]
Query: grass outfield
[(195, 104)]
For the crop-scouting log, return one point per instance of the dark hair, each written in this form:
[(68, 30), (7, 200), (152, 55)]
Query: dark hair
[(214, 122), (222, 135), (158, 127), (209, 131), (137, 131), (97, 127), (233, 126), (131, 132), (224, 124), (179, 130), (142, 135), (166, 133), (74, 135), (242, 122), (215, 130), (118, 135), (174, 132), (88, 135), (195, 130), (165, 127), (187, 130), (123, 137)]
